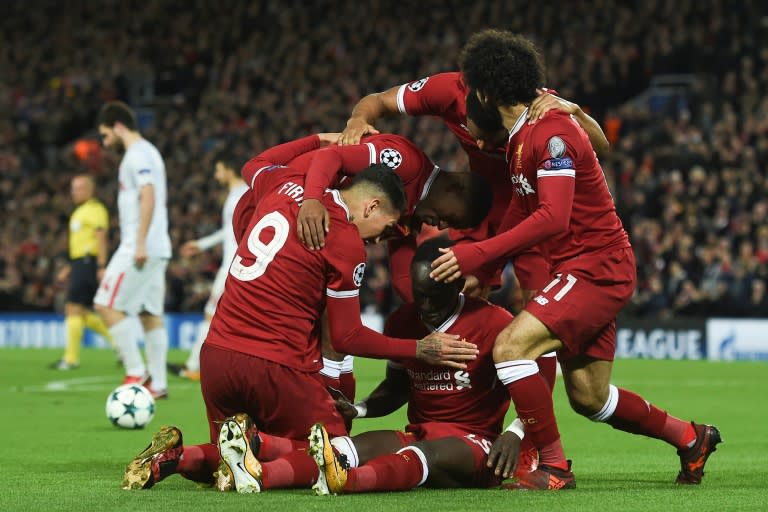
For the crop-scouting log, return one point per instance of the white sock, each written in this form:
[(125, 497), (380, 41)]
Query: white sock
[(344, 445), (156, 347), (331, 369), (348, 364), (512, 371), (126, 338), (609, 407), (193, 361)]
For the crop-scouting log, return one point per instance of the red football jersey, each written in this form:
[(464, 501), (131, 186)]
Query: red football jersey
[(473, 397), (562, 203), (277, 289), (329, 167), (445, 95)]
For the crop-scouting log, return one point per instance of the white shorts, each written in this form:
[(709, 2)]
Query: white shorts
[(133, 290), (216, 290)]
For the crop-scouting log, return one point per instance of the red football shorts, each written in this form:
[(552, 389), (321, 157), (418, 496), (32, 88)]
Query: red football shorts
[(581, 302), (479, 444), (282, 401)]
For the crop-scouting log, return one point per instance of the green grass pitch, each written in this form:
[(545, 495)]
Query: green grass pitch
[(60, 453)]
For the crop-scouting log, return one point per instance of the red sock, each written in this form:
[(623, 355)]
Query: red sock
[(395, 472), (348, 385), (273, 447), (533, 402), (332, 382), (295, 469), (633, 414), (199, 462), (548, 369)]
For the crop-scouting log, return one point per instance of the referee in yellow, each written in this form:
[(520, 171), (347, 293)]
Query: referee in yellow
[(88, 227)]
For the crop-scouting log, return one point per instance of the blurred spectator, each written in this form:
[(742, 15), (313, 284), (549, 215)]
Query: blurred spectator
[(687, 169)]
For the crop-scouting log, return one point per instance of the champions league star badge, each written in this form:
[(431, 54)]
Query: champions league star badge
[(391, 158), (357, 274), (556, 147), (418, 84)]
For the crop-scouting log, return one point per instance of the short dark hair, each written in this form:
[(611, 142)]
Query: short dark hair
[(388, 182), (481, 198), (486, 117), (228, 161), (117, 112), (427, 252), (504, 66)]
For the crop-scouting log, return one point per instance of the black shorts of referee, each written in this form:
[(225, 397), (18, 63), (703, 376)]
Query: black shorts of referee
[(83, 281)]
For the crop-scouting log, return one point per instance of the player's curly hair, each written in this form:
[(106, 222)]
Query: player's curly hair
[(504, 66), (381, 177)]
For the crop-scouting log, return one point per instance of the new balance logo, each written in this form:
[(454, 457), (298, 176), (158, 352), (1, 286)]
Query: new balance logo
[(542, 301)]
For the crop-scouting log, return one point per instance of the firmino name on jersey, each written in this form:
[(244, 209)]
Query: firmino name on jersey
[(292, 190)]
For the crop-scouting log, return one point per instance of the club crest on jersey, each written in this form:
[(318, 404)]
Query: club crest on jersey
[(357, 274), (519, 158), (418, 84), (391, 158), (556, 147)]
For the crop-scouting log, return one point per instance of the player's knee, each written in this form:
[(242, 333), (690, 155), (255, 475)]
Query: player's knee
[(508, 347), (585, 401)]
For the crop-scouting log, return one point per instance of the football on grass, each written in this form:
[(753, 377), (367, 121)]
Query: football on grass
[(130, 406)]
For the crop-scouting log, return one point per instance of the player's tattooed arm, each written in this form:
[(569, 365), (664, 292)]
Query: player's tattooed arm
[(442, 349)]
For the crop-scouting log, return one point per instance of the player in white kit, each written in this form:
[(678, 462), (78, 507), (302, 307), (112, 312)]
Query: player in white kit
[(134, 280), (226, 173)]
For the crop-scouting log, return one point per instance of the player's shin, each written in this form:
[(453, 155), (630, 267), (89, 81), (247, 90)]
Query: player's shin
[(399, 471), (198, 462), (627, 411), (533, 402), (295, 469)]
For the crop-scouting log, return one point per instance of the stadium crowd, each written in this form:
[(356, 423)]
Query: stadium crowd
[(687, 171)]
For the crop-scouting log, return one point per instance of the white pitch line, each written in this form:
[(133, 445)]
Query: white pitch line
[(84, 384)]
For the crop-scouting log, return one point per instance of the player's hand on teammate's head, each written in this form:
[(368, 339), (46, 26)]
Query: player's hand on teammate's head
[(189, 249), (446, 267), (313, 222), (441, 349), (327, 139), (504, 453), (356, 128), (546, 102)]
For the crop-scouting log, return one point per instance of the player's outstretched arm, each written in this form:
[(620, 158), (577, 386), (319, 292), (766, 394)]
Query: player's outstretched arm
[(547, 101), (350, 336), (368, 110)]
